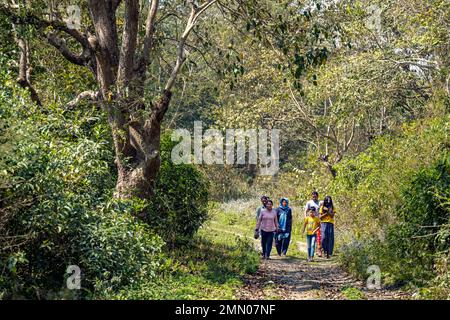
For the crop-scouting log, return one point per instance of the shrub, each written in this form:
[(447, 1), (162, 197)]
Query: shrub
[(206, 268), (357, 255), (423, 220), (352, 293), (394, 209), (245, 257), (179, 205), (368, 187), (116, 249)]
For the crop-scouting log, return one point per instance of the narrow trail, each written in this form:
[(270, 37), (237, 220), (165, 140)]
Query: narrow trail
[(293, 278)]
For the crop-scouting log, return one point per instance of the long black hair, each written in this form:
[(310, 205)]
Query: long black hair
[(328, 202)]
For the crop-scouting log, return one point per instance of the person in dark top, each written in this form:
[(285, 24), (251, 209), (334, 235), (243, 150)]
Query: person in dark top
[(283, 237)]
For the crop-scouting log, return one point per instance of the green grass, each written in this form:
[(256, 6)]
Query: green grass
[(203, 269), (352, 293), (211, 266)]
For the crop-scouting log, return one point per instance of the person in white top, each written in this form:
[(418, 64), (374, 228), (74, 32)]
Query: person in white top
[(314, 204)]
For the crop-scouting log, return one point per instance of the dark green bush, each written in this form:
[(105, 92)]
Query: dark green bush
[(423, 217), (417, 243), (57, 175), (179, 206)]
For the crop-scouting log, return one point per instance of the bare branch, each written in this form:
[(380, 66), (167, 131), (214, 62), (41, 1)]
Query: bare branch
[(148, 38), (24, 70), (421, 63), (60, 45), (195, 14), (85, 95), (203, 8), (352, 134), (129, 39), (311, 122)]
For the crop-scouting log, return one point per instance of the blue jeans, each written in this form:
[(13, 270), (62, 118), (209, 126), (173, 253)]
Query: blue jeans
[(266, 242), (311, 244), (327, 230)]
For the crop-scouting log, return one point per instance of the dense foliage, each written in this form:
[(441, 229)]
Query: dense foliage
[(369, 127), (56, 209), (394, 207)]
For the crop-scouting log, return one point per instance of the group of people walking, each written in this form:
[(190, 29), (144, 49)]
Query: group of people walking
[(276, 224)]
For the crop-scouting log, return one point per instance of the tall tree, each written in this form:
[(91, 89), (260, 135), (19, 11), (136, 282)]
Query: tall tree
[(119, 50)]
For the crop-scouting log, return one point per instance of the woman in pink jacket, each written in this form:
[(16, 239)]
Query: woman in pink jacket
[(267, 224)]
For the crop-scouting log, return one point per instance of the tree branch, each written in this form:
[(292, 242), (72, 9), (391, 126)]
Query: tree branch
[(421, 63), (352, 134), (105, 41), (310, 122), (24, 70), (129, 39), (196, 11), (40, 23), (60, 45), (85, 95), (148, 38)]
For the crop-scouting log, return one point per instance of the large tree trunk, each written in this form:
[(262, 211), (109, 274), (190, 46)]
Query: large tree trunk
[(136, 139), (137, 146)]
